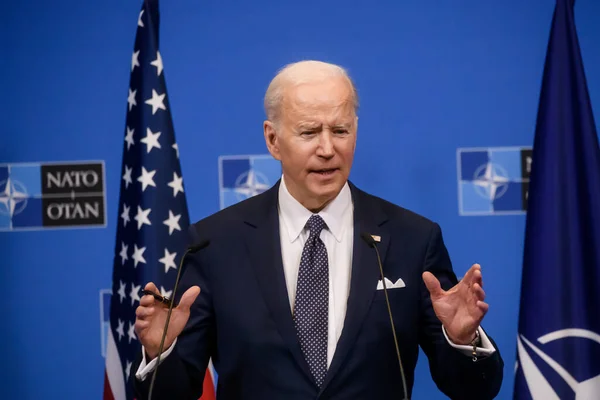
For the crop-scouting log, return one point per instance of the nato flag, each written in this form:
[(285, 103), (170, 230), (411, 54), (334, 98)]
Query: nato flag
[(558, 343)]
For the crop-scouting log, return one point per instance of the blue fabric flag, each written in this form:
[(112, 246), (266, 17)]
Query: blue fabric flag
[(558, 343)]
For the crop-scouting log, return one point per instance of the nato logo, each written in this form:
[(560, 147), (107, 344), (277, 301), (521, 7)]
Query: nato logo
[(51, 195), (493, 181), (241, 177), (544, 375)]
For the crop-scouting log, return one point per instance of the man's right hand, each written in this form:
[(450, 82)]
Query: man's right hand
[(152, 314)]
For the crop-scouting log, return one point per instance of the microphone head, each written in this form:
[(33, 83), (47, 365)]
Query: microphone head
[(199, 246), (368, 238)]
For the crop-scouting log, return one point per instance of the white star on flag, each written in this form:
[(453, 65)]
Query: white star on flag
[(129, 138), (172, 222), (134, 60), (135, 293), (131, 99), (123, 253), (131, 332), (125, 214), (164, 293), (151, 140), (138, 255), (127, 176), (176, 184), (140, 23), (168, 260), (120, 329), (121, 291), (158, 63), (142, 217), (157, 101), (147, 178), (127, 370), (176, 149)]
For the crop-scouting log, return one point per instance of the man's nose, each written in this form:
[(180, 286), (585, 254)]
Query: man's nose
[(325, 148)]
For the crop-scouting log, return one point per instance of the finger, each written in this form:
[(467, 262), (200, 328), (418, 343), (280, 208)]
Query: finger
[(478, 277), (470, 275), (140, 325), (152, 287), (483, 306), (432, 284), (478, 292), (144, 312), (188, 298), (147, 301)]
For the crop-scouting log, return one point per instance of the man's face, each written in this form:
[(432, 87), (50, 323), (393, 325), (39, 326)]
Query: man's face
[(315, 140)]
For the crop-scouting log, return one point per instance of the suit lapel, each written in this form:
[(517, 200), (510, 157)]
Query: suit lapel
[(364, 276), (264, 247)]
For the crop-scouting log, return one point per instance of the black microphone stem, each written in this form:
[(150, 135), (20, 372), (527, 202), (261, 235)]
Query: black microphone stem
[(191, 249), (372, 243), (387, 300)]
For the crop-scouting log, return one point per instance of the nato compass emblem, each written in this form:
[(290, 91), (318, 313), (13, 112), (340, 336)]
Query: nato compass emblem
[(493, 181), (13, 197), (544, 375), (244, 176)]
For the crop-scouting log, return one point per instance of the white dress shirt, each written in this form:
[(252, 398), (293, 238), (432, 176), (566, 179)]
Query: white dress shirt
[(338, 239)]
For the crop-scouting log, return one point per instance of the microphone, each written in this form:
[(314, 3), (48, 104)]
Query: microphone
[(372, 243), (196, 247), (190, 250)]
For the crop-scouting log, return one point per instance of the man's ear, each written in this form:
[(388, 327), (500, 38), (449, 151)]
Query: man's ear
[(271, 139)]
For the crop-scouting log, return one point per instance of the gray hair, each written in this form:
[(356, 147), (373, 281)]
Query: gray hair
[(297, 74)]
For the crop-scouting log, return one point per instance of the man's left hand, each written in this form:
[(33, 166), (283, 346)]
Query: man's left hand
[(461, 308)]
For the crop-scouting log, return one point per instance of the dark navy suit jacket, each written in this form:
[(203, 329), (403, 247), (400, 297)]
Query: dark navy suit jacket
[(242, 317)]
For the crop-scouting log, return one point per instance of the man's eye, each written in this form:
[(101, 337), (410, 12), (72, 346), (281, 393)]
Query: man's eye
[(340, 131), (307, 133)]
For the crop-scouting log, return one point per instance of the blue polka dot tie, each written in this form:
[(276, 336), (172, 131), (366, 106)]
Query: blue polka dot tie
[(311, 309)]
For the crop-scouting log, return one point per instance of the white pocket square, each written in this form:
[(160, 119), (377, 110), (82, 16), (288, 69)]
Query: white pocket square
[(390, 285)]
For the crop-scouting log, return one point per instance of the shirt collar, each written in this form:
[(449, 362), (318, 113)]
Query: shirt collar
[(295, 215)]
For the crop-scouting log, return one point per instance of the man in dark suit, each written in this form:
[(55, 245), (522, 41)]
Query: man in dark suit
[(287, 298)]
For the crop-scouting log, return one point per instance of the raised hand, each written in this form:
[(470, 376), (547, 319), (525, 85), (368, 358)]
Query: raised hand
[(151, 316), (461, 308)]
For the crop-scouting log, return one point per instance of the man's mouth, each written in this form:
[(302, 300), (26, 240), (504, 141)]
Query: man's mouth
[(325, 171)]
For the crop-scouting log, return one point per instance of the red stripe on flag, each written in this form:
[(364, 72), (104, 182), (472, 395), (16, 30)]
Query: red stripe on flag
[(108, 395), (208, 391)]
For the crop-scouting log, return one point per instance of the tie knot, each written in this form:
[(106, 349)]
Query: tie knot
[(315, 224)]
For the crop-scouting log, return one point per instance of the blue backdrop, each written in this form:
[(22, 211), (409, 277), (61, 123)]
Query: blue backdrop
[(433, 77)]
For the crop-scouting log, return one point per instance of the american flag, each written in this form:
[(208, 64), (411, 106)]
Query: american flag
[(153, 215)]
